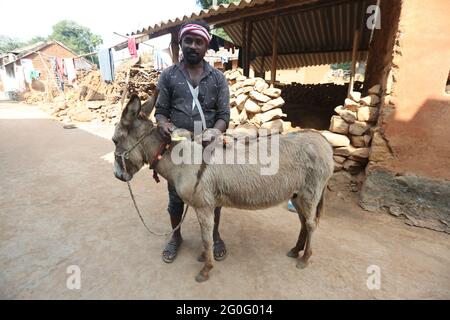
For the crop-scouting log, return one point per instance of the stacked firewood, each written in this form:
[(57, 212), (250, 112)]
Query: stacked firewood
[(254, 105), (91, 87), (350, 131), (141, 80), (99, 101)]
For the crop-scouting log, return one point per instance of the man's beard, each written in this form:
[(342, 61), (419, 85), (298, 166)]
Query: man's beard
[(192, 57)]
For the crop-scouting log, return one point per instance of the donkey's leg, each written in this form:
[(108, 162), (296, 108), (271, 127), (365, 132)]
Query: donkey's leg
[(310, 204), (306, 204), (313, 207), (293, 253), (311, 225), (205, 217)]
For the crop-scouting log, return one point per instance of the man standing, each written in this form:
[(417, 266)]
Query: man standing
[(176, 107)]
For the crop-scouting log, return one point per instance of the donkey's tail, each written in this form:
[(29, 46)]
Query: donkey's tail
[(320, 206)]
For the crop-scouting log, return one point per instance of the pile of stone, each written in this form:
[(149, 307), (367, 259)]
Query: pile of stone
[(350, 131), (255, 105)]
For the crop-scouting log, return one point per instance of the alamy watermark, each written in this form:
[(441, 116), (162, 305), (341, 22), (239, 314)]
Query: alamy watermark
[(374, 20), (73, 281), (373, 282), (263, 151)]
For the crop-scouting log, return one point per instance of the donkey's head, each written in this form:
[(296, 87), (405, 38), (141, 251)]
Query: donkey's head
[(129, 138)]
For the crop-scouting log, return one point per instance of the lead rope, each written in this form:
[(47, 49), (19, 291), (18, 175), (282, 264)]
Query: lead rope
[(139, 212), (122, 156), (143, 222)]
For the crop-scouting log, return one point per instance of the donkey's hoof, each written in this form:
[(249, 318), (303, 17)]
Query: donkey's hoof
[(201, 278), (293, 253), (301, 264)]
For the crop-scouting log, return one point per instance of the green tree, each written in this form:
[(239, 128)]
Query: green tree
[(76, 37), (37, 39), (206, 4), (8, 44), (220, 32)]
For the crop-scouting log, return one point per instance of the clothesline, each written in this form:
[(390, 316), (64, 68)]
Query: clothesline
[(106, 61), (96, 52), (76, 57), (120, 35)]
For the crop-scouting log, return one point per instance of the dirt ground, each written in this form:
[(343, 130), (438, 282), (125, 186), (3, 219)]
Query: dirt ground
[(60, 205)]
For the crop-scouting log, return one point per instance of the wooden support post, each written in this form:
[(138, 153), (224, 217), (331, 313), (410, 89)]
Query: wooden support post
[(174, 47), (50, 77), (248, 48), (262, 72), (244, 43), (354, 55), (273, 70)]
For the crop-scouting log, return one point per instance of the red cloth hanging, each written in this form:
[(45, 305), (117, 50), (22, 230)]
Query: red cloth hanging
[(60, 66), (132, 47)]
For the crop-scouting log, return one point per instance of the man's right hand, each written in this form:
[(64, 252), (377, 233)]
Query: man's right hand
[(165, 128)]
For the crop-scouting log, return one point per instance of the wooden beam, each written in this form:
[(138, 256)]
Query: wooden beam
[(244, 43), (361, 50), (262, 71), (354, 52), (140, 38), (174, 47), (248, 48), (85, 55), (273, 70), (121, 35)]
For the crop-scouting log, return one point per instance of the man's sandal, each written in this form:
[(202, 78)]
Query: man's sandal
[(170, 251)]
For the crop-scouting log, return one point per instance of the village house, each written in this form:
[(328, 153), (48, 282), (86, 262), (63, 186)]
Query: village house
[(16, 66)]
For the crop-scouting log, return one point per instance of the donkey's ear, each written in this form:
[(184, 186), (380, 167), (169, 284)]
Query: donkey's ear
[(131, 110)]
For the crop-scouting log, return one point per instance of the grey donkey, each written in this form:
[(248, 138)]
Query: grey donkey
[(305, 166)]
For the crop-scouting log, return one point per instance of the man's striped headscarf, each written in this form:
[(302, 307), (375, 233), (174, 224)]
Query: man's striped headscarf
[(195, 29)]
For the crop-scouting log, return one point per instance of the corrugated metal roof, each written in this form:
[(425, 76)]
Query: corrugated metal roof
[(316, 32), (312, 37), (202, 14)]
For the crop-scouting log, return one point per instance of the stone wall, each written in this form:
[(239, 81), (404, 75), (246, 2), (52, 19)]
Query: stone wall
[(351, 130)]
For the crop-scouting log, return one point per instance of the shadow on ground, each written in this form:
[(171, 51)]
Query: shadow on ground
[(60, 205)]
